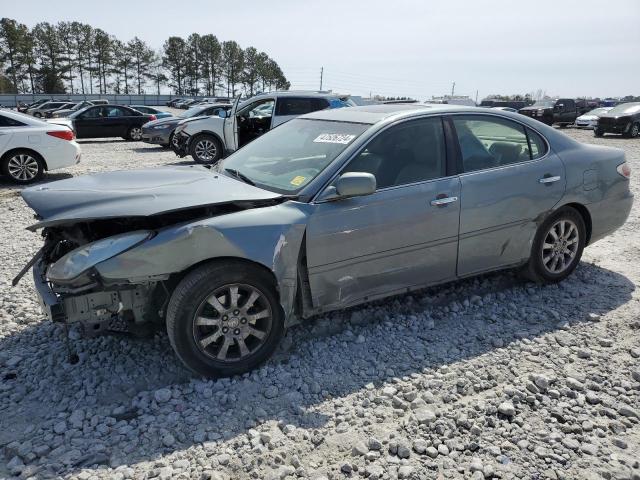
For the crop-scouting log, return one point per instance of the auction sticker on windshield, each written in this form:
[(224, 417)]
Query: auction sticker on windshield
[(334, 138), (297, 181)]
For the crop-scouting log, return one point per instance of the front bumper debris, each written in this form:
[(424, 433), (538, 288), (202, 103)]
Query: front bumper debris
[(180, 144)]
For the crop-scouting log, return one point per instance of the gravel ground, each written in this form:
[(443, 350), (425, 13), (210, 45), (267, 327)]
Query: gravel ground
[(485, 378)]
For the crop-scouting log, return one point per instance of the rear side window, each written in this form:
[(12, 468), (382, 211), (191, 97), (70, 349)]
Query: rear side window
[(300, 106), (488, 142), (10, 122), (537, 145)]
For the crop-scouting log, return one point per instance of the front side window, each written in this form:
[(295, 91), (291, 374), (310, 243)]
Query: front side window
[(260, 109), (96, 112), (488, 142), (411, 152), (289, 157)]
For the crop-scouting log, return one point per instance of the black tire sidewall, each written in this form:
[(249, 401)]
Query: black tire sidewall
[(597, 132), (535, 262), (195, 141), (4, 167), (189, 295), (631, 135)]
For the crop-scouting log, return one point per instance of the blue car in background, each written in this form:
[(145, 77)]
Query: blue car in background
[(151, 111)]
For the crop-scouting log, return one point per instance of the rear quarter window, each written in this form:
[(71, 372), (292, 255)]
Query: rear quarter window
[(10, 122), (537, 145)]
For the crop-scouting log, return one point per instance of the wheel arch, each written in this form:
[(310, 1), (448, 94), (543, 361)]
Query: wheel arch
[(26, 149), (586, 217), (209, 132)]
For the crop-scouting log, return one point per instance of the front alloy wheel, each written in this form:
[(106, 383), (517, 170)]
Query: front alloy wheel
[(206, 149), (634, 131), (224, 318)]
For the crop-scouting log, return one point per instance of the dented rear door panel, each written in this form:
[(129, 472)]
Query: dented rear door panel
[(501, 209)]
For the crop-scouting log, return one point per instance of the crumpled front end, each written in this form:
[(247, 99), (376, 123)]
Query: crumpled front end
[(117, 275)]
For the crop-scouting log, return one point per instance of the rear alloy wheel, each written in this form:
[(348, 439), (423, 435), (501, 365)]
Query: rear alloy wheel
[(634, 131), (557, 247), (206, 149), (224, 319), (22, 167), (135, 134)]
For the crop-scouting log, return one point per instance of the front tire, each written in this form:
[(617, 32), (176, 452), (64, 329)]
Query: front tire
[(22, 167), (557, 247), (598, 132), (224, 319), (634, 131), (206, 149)]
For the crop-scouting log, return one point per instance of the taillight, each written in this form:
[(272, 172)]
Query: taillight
[(63, 134), (152, 118), (624, 169)]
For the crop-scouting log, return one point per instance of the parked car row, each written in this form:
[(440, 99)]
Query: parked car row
[(330, 210), (186, 103)]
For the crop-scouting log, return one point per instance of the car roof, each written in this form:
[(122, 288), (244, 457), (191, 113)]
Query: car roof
[(301, 93), (372, 114)]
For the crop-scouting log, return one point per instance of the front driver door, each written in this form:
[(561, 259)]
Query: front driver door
[(230, 128), (510, 180), (402, 236)]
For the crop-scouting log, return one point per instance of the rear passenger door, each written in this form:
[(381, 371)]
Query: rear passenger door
[(509, 179), (288, 108)]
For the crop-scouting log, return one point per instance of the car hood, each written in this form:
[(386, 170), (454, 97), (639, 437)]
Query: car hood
[(587, 117), (531, 107), (163, 121), (137, 193)]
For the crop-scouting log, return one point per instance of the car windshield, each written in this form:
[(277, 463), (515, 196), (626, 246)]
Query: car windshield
[(545, 103), (598, 111), (290, 156), (625, 108), (193, 112)]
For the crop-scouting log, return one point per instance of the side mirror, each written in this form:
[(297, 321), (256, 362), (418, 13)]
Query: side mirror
[(355, 184), (222, 113)]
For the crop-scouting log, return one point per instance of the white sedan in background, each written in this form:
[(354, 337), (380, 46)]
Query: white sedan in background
[(29, 146), (590, 119)]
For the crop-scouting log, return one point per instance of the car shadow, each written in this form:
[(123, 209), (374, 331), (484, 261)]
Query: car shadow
[(116, 377), (87, 141), (151, 149)]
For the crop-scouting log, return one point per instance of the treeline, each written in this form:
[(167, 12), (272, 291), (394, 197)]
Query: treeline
[(73, 57)]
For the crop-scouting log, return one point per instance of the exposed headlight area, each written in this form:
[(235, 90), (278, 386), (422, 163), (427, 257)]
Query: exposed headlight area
[(78, 261), (161, 127)]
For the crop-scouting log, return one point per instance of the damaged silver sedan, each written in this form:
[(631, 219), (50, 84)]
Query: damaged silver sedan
[(329, 210)]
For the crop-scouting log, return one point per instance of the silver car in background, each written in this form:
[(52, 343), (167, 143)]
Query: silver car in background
[(590, 119), (329, 210)]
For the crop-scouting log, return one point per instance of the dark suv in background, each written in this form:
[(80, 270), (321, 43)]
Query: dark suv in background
[(623, 119), (561, 111)]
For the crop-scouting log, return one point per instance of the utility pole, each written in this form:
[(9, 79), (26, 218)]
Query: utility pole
[(453, 88), (321, 73), (476, 97)]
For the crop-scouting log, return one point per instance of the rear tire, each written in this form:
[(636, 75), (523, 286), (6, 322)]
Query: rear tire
[(134, 134), (598, 132), (557, 247), (22, 166), (205, 149), (222, 303)]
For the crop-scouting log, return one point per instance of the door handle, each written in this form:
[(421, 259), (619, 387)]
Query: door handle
[(549, 179), (440, 202)]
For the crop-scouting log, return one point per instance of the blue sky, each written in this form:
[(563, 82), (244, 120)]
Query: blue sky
[(399, 47)]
